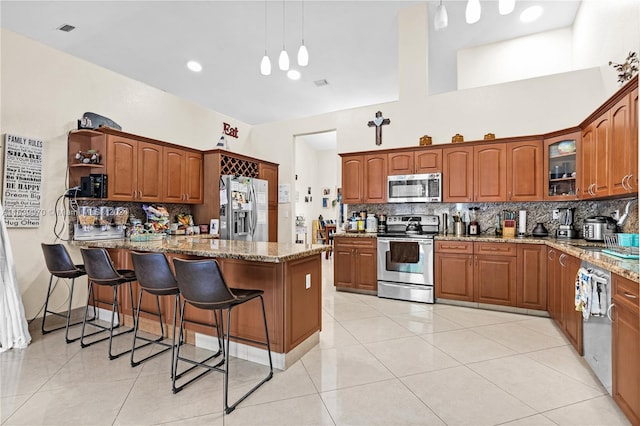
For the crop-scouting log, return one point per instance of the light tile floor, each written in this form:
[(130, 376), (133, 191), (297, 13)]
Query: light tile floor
[(379, 362)]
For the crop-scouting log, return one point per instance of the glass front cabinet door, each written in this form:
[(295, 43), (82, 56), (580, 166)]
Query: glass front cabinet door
[(562, 167)]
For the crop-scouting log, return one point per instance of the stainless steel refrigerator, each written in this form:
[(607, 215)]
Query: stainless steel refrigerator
[(244, 212)]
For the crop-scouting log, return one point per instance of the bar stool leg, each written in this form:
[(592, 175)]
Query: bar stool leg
[(67, 316), (136, 325)]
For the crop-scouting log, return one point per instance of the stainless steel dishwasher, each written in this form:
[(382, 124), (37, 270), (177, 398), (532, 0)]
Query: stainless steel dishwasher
[(597, 324)]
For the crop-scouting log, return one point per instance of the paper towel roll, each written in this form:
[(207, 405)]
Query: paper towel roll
[(522, 222)]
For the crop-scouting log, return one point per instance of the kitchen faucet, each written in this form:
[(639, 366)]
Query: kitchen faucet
[(623, 219)]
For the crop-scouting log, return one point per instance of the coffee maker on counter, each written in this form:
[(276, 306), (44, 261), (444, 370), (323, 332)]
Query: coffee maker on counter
[(565, 229)]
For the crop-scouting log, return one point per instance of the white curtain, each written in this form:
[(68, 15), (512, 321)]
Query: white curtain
[(14, 332)]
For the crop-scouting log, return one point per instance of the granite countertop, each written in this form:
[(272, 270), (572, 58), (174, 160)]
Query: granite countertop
[(210, 247), (627, 268), (355, 234)]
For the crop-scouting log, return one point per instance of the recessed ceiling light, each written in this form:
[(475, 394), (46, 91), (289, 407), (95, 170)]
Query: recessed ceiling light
[(293, 74), (321, 83), (66, 28), (530, 14), (194, 66)]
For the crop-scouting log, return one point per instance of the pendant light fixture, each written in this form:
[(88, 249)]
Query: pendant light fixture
[(283, 60), (265, 64), (303, 53), (473, 11), (441, 20), (505, 7)]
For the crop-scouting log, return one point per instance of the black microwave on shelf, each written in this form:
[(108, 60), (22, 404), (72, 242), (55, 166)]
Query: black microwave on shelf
[(93, 186)]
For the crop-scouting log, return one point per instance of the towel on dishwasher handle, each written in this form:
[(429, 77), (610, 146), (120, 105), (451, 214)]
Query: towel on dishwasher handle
[(584, 293)]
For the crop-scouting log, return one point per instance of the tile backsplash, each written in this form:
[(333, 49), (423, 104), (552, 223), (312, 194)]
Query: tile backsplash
[(536, 212)]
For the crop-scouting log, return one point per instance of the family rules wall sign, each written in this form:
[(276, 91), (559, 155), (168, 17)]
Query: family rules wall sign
[(22, 184)]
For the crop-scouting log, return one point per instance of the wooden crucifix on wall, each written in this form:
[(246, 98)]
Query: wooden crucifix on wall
[(378, 122)]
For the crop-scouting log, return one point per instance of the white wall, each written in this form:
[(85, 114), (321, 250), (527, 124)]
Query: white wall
[(606, 31), (531, 56)]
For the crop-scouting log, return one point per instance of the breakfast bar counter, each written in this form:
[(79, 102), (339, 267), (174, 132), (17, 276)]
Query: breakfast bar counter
[(289, 274)]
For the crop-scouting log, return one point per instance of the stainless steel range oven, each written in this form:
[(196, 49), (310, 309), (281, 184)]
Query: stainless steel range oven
[(405, 259)]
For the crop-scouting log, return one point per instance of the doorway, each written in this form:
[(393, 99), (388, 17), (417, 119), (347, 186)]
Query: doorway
[(317, 180)]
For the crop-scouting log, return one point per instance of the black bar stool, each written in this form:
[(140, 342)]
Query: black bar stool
[(155, 277), (202, 285), (100, 271), (60, 265)]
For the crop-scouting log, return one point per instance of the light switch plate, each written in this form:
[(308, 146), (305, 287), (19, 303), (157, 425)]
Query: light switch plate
[(307, 279), (555, 214)]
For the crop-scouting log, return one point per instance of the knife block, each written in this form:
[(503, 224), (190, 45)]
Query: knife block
[(509, 228)]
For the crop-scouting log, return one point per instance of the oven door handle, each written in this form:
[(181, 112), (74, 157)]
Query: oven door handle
[(412, 286), (406, 240)]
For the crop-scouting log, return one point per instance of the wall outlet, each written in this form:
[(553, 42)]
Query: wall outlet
[(555, 214), (307, 281), (615, 214)]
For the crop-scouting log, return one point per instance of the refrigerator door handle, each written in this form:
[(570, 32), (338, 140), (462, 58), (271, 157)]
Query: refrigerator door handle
[(254, 212)]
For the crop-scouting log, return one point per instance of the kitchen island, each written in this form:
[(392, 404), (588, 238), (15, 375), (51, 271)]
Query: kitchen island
[(289, 274)]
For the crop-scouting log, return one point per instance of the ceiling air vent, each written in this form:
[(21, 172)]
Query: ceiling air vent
[(321, 83), (66, 28)]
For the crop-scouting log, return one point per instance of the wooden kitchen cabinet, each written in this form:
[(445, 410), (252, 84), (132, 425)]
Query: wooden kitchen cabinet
[(364, 178), (355, 263), (623, 156), (352, 179), (490, 172), (269, 172), (554, 286), (494, 275), (428, 161), (134, 169), (595, 158), (375, 178), (561, 273), (401, 163), (415, 162), (506, 274), (571, 319), (457, 172), (183, 176), (625, 350), (525, 180), (454, 270), (531, 277), (560, 152)]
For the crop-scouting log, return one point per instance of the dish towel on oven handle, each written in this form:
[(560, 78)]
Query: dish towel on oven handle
[(584, 293)]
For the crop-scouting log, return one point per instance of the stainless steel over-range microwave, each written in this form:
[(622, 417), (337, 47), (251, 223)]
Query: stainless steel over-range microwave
[(423, 188)]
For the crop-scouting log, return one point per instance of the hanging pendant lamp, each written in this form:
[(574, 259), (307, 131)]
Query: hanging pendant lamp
[(283, 60), (473, 11), (505, 7), (303, 53), (441, 20), (265, 64)]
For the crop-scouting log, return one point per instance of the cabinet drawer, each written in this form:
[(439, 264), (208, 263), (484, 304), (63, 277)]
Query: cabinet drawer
[(356, 242), (495, 249), (462, 247), (626, 291)]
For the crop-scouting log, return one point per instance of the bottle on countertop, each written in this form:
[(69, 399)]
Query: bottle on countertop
[(372, 223)]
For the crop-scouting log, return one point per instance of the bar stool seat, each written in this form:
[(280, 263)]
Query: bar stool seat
[(154, 277), (60, 265), (202, 285), (100, 271)]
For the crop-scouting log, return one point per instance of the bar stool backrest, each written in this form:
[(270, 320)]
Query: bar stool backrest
[(153, 273), (59, 262), (201, 282), (99, 266)]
